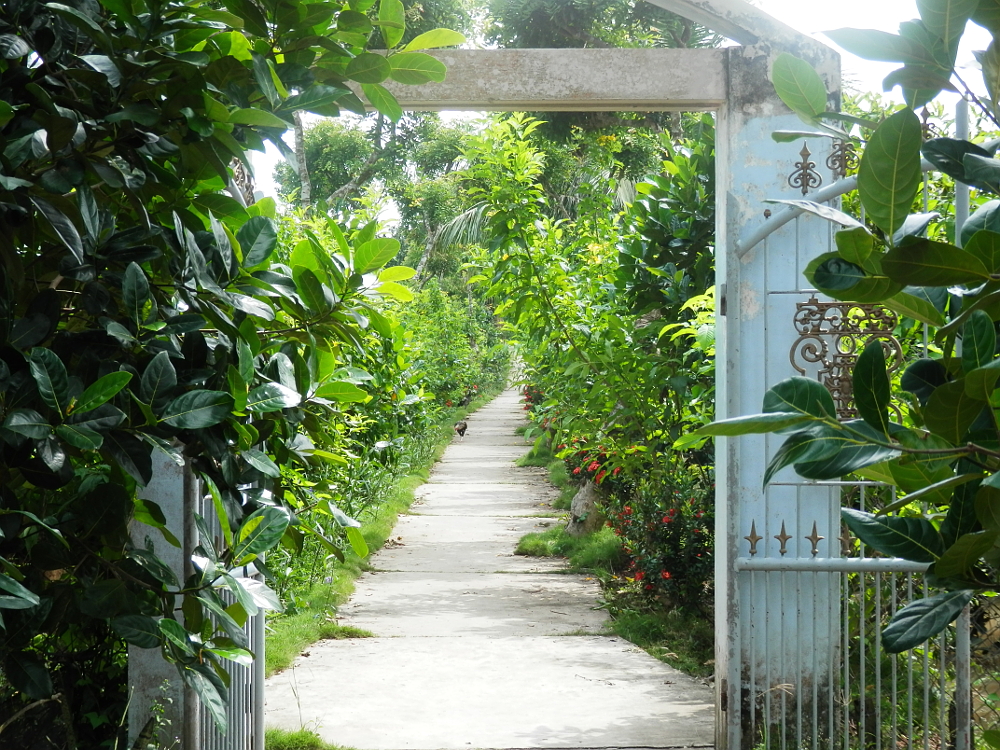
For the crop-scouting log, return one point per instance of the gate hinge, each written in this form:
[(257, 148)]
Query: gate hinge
[(724, 695), (722, 300)]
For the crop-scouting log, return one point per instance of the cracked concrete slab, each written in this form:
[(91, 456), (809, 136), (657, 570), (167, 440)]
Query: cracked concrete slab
[(474, 647)]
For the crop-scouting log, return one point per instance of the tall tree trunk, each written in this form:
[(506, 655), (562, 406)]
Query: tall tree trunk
[(305, 191)]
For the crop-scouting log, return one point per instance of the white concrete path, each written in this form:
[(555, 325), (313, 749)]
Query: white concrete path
[(476, 647)]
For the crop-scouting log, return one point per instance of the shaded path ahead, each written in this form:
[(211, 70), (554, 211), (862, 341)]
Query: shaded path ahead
[(477, 648)]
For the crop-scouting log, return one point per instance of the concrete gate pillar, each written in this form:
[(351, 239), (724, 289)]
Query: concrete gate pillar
[(776, 638)]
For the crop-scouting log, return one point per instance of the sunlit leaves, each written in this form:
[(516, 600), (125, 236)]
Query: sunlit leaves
[(889, 175), (799, 86)]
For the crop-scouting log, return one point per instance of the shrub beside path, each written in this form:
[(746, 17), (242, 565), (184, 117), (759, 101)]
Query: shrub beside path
[(476, 647)]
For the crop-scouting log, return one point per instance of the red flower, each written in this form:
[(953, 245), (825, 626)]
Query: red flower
[(594, 466), (576, 470), (615, 472), (628, 510), (665, 574), (667, 519), (601, 476), (649, 587), (475, 387), (447, 403), (639, 575)]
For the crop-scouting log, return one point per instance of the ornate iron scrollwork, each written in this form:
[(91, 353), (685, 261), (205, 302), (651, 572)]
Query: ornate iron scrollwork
[(843, 158), (805, 175), (832, 335), (243, 180)]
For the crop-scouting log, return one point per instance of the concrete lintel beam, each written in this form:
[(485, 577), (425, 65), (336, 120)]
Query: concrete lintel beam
[(573, 80), (743, 23)]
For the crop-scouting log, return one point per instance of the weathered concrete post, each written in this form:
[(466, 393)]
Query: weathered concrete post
[(774, 663), (148, 671)]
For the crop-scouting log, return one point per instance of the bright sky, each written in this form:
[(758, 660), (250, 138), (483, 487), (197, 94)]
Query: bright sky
[(811, 17)]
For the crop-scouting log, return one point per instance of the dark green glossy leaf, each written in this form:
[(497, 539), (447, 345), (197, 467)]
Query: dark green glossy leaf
[(922, 262), (800, 395), (871, 387), (28, 422), (983, 170), (985, 245), (198, 409), (80, 437), (979, 341), (923, 377), (950, 411), (260, 531), (105, 599), (855, 453), (922, 619), (101, 391), (272, 397), (138, 630), (368, 67), (837, 275), (907, 537), (13, 47), (28, 675), (948, 155), (20, 597), (132, 455), (175, 633), (808, 445), (889, 175), (158, 379), (962, 556), (754, 424), (210, 696), (50, 376), (987, 217), (257, 238), (62, 227), (261, 462)]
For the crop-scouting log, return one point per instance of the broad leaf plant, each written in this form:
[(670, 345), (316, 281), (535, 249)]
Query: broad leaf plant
[(944, 458), (144, 311)]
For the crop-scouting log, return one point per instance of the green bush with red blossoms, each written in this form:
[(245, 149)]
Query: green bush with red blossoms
[(668, 532), (666, 524)]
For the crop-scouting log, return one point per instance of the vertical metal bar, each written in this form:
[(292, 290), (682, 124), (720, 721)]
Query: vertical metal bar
[(961, 191), (831, 725), (942, 686), (877, 656), (894, 693), (963, 681), (927, 685), (909, 674), (782, 674), (257, 684), (815, 668), (846, 661)]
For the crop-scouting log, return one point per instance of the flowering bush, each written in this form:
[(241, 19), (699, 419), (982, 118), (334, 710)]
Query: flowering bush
[(668, 531)]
